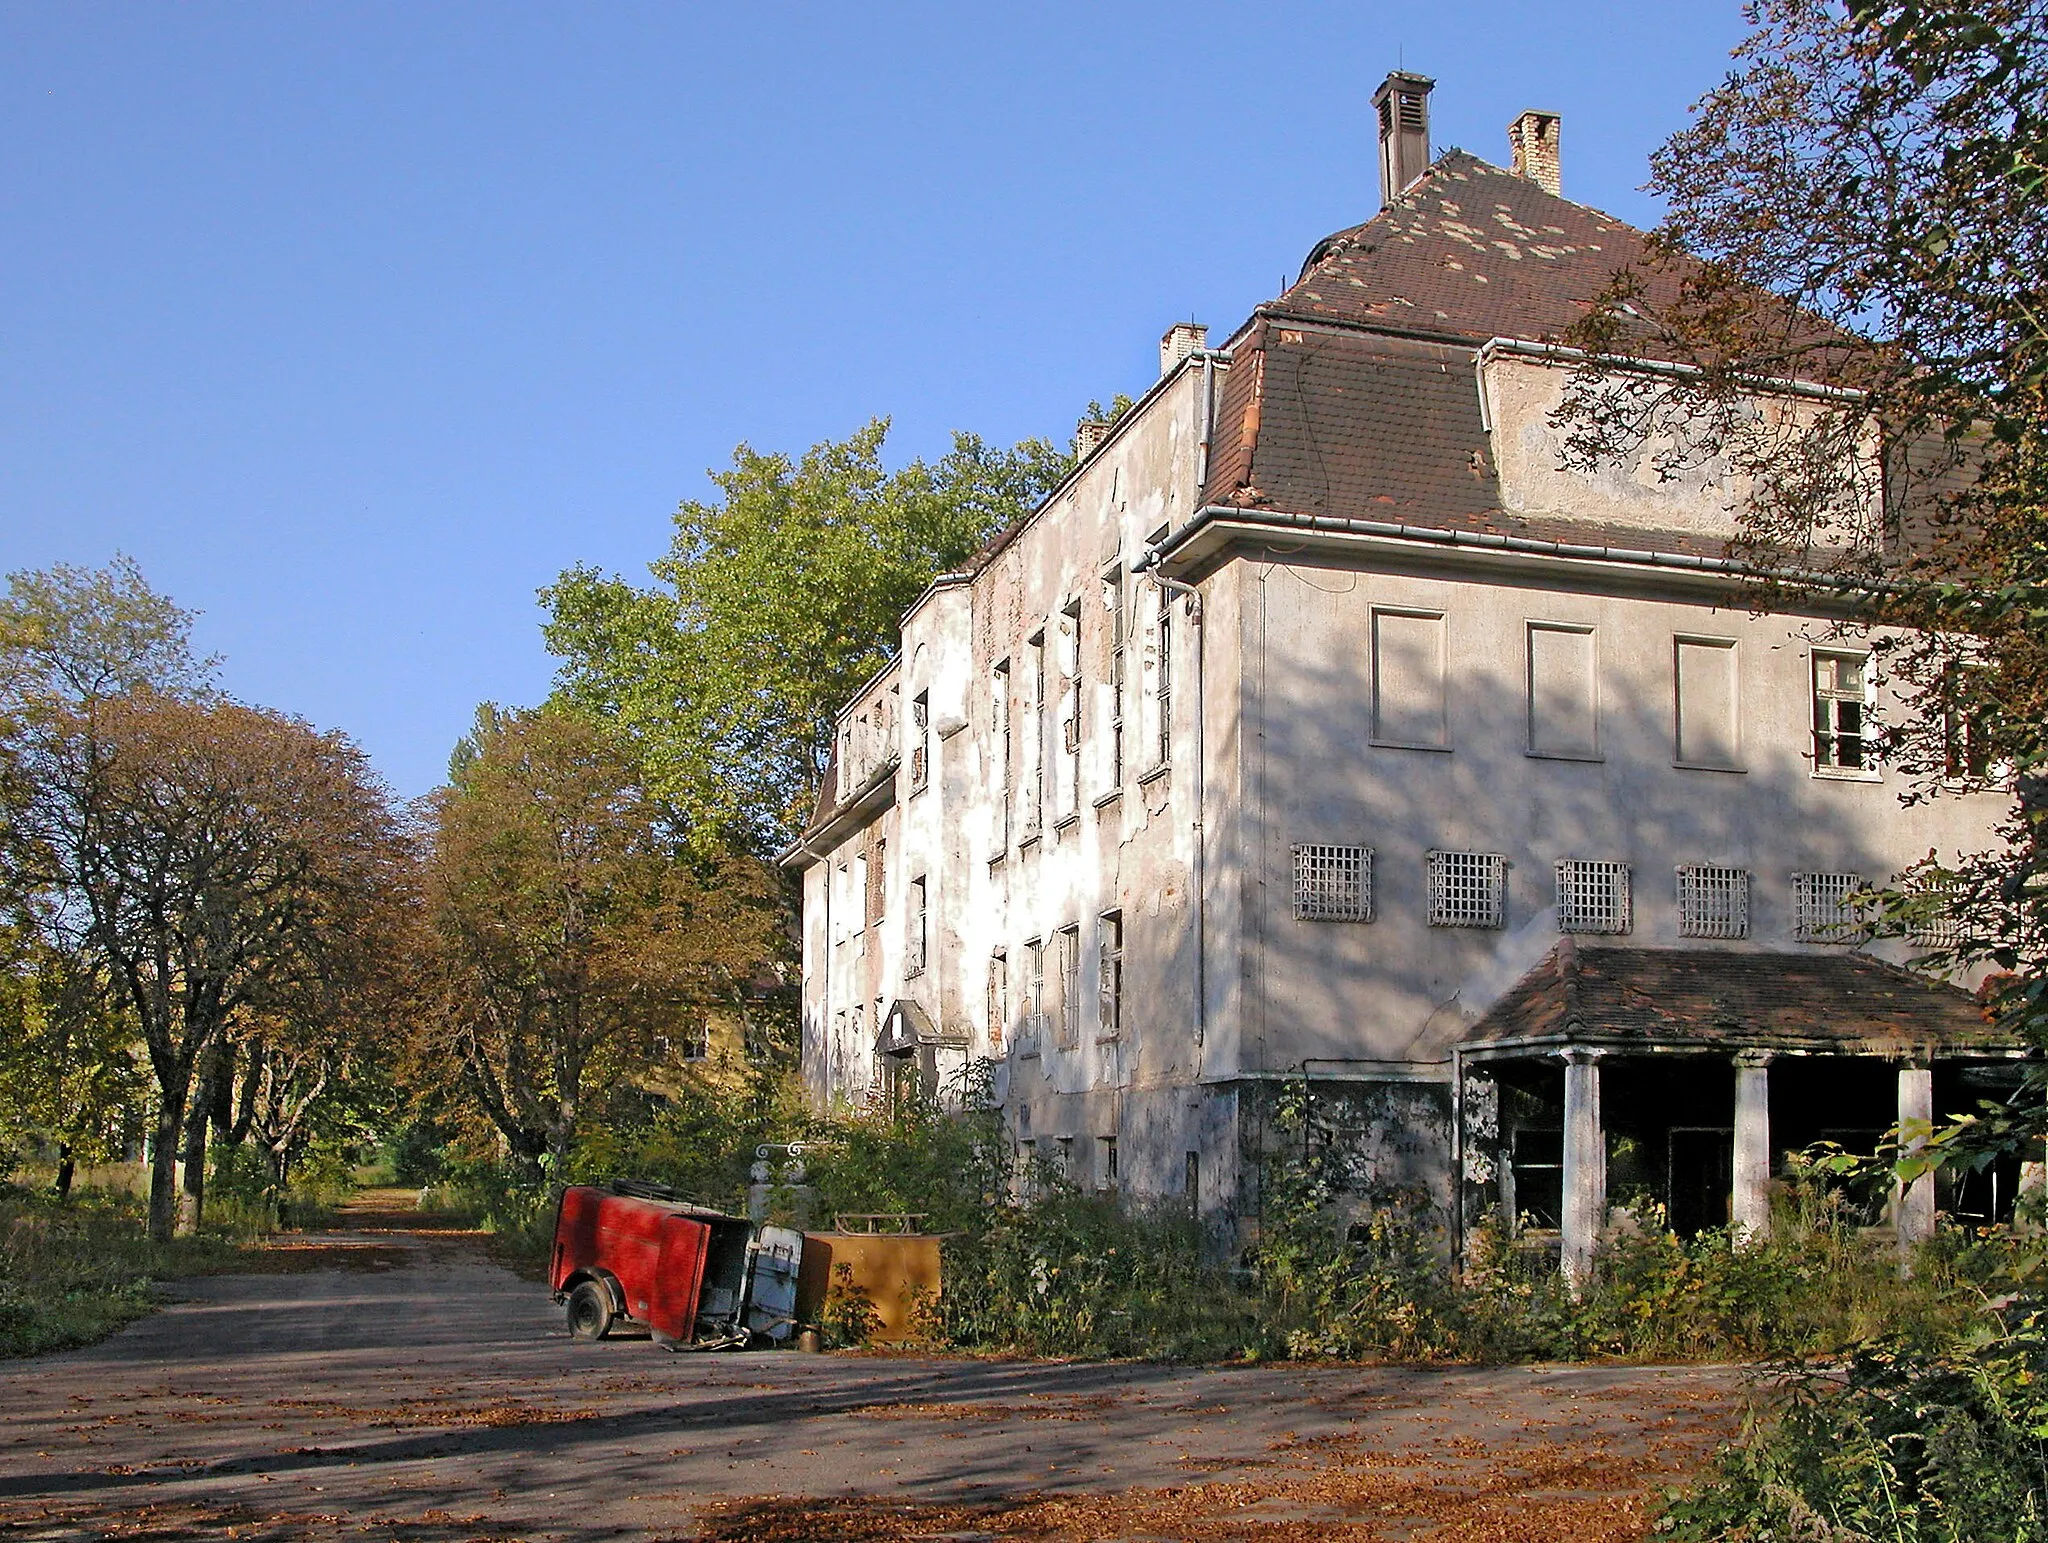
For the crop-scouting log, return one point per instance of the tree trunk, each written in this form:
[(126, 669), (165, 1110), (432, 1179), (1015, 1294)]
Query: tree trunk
[(192, 1203), (163, 1165)]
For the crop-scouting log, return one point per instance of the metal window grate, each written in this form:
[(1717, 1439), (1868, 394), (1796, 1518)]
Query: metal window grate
[(1938, 925), (1333, 883), (1713, 902), (1592, 895), (1467, 889), (1822, 911)]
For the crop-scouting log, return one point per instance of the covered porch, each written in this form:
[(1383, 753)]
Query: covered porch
[(1682, 1079)]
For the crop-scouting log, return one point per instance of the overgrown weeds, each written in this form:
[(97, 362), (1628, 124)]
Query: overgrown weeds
[(73, 1271)]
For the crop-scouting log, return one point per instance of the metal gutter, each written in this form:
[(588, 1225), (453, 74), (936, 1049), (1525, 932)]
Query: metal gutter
[(1494, 541)]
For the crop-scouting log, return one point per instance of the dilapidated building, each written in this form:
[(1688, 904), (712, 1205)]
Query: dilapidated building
[(1324, 730)]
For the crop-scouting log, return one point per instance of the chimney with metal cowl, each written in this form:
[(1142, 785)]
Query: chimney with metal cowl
[(1402, 103), (1180, 340), (1533, 138)]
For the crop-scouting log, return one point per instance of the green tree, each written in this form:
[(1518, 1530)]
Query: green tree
[(1861, 203), (567, 929), (772, 605)]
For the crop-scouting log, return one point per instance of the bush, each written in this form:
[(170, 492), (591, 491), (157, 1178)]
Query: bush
[(73, 1271), (1903, 1445)]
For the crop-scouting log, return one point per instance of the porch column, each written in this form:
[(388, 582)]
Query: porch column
[(1913, 1204), (1585, 1167), (1749, 1208)]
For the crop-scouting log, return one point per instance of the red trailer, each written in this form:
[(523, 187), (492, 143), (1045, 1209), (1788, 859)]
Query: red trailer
[(694, 1278)]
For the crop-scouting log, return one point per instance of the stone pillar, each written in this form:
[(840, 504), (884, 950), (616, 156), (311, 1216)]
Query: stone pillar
[(1749, 1208), (1585, 1167), (1913, 1204)]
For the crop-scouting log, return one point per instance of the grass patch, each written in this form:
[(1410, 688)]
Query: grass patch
[(74, 1271)]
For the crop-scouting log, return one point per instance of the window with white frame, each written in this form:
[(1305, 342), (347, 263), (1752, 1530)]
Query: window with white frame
[(1034, 786), (1467, 889), (1002, 735), (1713, 902), (918, 938), (696, 1038), (1034, 986), (920, 740), (1822, 910), (1332, 883), (1841, 715), (1109, 976), (1593, 895), (1068, 782), (1162, 694), (1113, 604), (1069, 960)]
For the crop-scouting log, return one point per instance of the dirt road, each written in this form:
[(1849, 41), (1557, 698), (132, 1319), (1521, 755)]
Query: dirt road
[(400, 1385)]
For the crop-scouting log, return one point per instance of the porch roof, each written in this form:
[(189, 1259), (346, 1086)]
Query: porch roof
[(1837, 1003)]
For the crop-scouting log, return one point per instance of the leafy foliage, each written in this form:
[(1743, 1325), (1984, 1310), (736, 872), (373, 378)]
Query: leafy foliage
[(567, 930), (773, 604)]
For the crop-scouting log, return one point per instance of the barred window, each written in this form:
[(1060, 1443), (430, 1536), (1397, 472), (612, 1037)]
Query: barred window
[(1467, 889), (1592, 895), (1713, 902), (1333, 883), (1822, 911), (1935, 923)]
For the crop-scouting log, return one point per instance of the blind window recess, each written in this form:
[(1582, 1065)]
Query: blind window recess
[(1713, 902), (1822, 910), (1467, 889), (1593, 896), (1333, 883)]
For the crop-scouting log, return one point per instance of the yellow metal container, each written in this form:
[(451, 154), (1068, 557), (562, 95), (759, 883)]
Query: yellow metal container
[(892, 1271)]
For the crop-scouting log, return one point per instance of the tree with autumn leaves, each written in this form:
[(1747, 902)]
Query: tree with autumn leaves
[(569, 930), (189, 865)]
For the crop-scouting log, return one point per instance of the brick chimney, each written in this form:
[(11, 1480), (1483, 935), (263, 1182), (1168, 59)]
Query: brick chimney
[(1533, 137), (1088, 437), (1181, 339), (1402, 103)]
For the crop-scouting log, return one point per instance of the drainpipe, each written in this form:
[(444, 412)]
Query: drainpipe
[(1148, 566)]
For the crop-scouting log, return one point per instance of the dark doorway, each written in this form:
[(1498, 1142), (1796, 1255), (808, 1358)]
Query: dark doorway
[(1701, 1169)]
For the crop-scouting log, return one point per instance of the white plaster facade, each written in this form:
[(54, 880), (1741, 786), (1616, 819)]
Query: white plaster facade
[(1003, 814)]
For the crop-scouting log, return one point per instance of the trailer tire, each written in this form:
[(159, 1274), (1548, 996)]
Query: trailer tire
[(590, 1311)]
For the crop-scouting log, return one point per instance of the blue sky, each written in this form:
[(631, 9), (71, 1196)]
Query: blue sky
[(355, 324)]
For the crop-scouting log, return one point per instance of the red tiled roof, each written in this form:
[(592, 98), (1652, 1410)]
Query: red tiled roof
[(1847, 1003), (1470, 251)]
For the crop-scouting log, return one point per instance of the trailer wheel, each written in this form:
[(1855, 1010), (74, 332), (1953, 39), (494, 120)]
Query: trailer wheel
[(590, 1311)]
